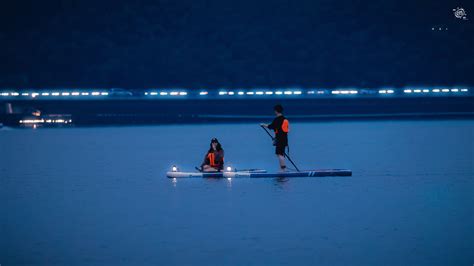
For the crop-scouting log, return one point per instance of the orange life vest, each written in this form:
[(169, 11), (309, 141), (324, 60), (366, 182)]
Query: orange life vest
[(285, 126), (212, 159)]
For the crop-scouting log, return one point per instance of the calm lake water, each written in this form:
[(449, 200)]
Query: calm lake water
[(99, 196)]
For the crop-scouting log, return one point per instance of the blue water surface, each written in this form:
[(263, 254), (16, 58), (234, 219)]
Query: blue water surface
[(99, 196)]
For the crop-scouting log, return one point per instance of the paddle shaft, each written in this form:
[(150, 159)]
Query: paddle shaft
[(284, 153)]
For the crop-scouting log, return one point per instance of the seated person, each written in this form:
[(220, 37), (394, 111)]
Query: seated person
[(214, 159)]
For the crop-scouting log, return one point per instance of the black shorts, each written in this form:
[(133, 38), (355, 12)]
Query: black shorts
[(280, 149)]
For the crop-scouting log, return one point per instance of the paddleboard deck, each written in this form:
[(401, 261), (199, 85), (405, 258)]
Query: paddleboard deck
[(175, 174), (194, 175), (304, 173), (258, 173)]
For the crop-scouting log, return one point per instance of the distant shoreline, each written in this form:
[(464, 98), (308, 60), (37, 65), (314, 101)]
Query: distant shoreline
[(256, 119), (142, 112)]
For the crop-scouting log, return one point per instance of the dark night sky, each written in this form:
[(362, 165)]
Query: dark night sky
[(277, 43)]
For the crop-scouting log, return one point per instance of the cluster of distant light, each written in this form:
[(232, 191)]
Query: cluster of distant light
[(345, 92), (45, 121), (166, 93), (259, 92), (54, 94), (433, 90), (386, 91)]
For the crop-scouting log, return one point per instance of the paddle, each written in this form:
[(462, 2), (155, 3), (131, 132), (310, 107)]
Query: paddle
[(284, 153)]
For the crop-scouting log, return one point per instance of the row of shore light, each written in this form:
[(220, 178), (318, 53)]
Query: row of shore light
[(434, 90), (54, 94), (167, 93), (183, 93), (45, 121), (251, 93), (300, 92), (288, 92)]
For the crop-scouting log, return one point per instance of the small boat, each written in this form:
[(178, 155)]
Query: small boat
[(304, 173)]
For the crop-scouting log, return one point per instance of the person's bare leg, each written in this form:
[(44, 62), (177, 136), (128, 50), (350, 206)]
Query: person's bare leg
[(281, 160), (208, 168)]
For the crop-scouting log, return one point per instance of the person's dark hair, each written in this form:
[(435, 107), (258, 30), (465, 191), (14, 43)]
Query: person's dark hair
[(278, 108), (218, 147)]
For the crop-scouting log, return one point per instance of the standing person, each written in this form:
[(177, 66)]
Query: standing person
[(281, 127), (214, 159)]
